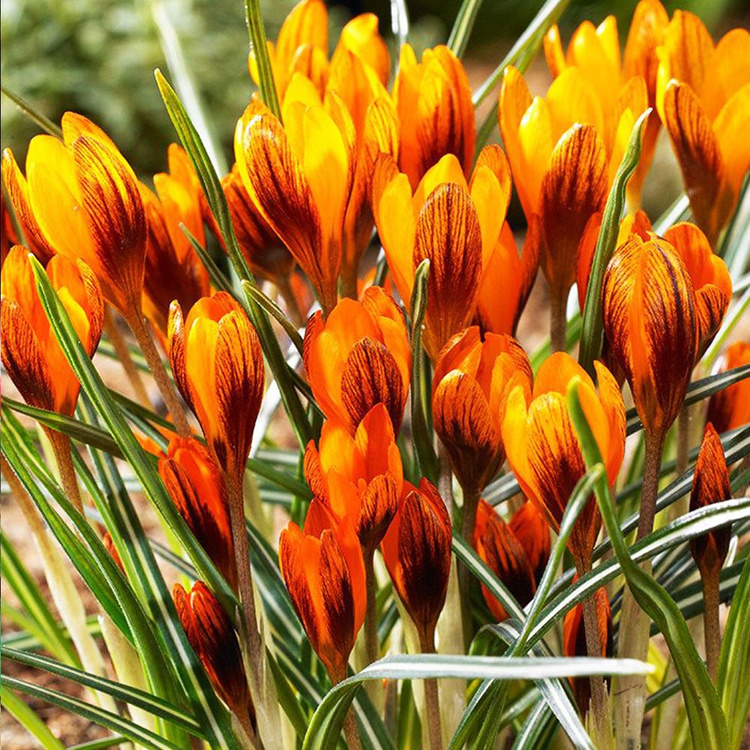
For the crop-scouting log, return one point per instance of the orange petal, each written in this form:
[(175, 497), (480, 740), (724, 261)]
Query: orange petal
[(361, 36), (730, 408)]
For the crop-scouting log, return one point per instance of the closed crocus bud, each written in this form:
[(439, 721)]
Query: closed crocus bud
[(31, 355), (196, 487), (710, 485), (543, 449), (417, 553), (471, 383), (512, 558), (729, 408), (213, 639), (18, 195), (264, 252), (574, 643), (457, 225), (358, 477), (324, 572), (360, 356), (173, 269), (703, 97), (300, 176), (433, 99), (85, 199), (218, 365), (652, 326)]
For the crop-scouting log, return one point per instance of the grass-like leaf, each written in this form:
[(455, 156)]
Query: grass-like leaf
[(464, 23)]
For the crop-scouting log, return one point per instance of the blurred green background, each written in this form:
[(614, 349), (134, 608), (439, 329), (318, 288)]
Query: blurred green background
[(98, 56)]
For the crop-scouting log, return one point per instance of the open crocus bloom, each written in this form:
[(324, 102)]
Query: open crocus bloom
[(703, 96), (358, 477), (300, 177), (87, 203), (471, 384), (324, 572), (456, 225), (218, 366), (543, 449), (360, 356), (31, 355)]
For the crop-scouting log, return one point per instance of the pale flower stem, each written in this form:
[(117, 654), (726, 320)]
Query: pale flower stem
[(168, 392), (629, 694), (126, 360), (64, 460), (372, 647), (351, 730), (711, 623), (558, 322), (432, 702)]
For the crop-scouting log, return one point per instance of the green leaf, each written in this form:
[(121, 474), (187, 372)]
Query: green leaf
[(592, 332), (88, 711), (463, 25), (33, 114), (28, 719), (734, 661), (117, 690), (707, 722), (325, 725), (275, 312), (259, 48), (209, 712)]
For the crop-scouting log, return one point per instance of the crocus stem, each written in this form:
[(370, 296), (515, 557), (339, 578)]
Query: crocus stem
[(630, 691), (284, 286), (145, 340), (64, 459), (465, 578), (599, 702), (432, 699), (557, 321), (351, 730), (348, 280), (711, 626), (680, 506), (371, 613), (126, 360)]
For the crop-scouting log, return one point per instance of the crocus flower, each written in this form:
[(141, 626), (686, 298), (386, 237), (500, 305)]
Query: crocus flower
[(703, 96), (86, 201), (218, 365), (8, 235), (543, 449), (360, 356), (456, 225), (31, 355), (324, 572), (18, 195), (300, 176), (652, 327), (730, 407), (574, 643), (358, 477), (516, 552), (213, 639), (471, 384), (417, 553), (195, 484), (433, 99)]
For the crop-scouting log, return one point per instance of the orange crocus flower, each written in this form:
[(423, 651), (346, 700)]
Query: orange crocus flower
[(8, 236), (470, 386), (574, 643), (360, 356), (433, 99), (729, 409), (173, 269), (264, 252), (516, 552), (300, 176), (619, 81), (652, 327), (417, 553), (195, 484), (358, 477), (18, 195), (218, 366), (456, 225), (703, 96), (213, 639), (543, 449), (31, 355), (563, 157), (324, 572), (85, 199)]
